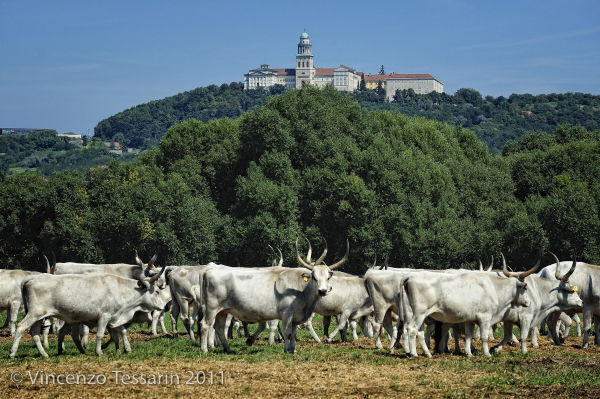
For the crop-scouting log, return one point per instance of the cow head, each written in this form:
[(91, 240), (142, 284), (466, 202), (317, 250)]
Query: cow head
[(320, 272), (521, 299), (567, 293)]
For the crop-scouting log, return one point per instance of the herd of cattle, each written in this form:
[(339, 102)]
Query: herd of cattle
[(408, 304)]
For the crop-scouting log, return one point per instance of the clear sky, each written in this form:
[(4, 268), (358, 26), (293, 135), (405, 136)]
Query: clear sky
[(66, 65)]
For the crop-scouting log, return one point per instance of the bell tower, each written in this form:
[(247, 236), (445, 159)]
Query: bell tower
[(305, 70)]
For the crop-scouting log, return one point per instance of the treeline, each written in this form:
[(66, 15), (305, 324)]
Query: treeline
[(144, 125), (495, 120), (315, 163), (46, 152)]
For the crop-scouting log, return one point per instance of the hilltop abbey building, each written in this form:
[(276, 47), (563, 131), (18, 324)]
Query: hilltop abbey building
[(342, 78)]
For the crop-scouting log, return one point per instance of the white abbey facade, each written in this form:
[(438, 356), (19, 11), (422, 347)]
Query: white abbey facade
[(342, 78)]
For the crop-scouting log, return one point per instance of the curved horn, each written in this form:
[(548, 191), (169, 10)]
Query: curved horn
[(344, 259), (274, 260), (309, 253), (505, 268), (48, 267), (301, 261), (480, 265), (491, 266), (322, 257), (157, 275), (280, 264), (571, 270), (138, 260), (530, 271), (374, 263), (151, 261), (556, 273)]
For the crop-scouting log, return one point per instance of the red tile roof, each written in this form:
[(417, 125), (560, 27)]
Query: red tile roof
[(377, 78), (285, 71), (324, 71)]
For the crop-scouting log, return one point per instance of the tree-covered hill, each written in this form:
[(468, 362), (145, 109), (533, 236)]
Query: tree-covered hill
[(144, 125), (46, 152), (314, 162), (494, 120)]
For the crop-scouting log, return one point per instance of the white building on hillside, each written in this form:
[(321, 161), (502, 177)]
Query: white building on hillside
[(342, 78)]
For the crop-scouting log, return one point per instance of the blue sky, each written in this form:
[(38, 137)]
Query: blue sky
[(66, 65)]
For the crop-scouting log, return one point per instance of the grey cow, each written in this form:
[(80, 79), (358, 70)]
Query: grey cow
[(263, 294), (102, 300)]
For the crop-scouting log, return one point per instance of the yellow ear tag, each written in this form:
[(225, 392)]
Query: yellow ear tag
[(574, 288), (305, 278)]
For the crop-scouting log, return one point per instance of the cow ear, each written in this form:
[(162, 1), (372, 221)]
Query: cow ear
[(144, 284), (305, 277)]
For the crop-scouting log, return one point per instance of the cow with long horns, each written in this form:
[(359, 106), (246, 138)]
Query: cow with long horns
[(263, 294), (474, 297), (547, 296), (586, 278), (102, 300)]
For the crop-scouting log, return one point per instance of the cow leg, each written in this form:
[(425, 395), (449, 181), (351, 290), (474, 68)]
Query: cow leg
[(443, 341), (366, 326), (552, 324), (14, 313), (28, 321), (289, 333), (310, 328), (236, 329), (220, 332), (577, 322), (45, 331), (525, 328), (468, 338), (206, 324), (230, 325), (587, 324), (126, 345), (61, 334), (413, 329), (245, 328), (35, 333), (77, 331), (84, 333), (341, 325), (534, 336), (484, 334), (114, 335), (227, 328), (326, 325), (377, 323), (102, 322), (175, 310), (597, 330), (508, 327), (261, 326), (273, 327), (280, 332), (353, 325)]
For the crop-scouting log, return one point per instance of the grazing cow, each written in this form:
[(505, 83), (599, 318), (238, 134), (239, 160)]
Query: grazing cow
[(11, 299), (263, 294), (472, 297), (185, 283), (546, 296), (587, 279), (102, 300), (134, 272)]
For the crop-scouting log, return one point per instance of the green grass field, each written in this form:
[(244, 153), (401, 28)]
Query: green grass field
[(350, 369)]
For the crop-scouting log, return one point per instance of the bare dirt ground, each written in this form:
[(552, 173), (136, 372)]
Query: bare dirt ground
[(340, 370)]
